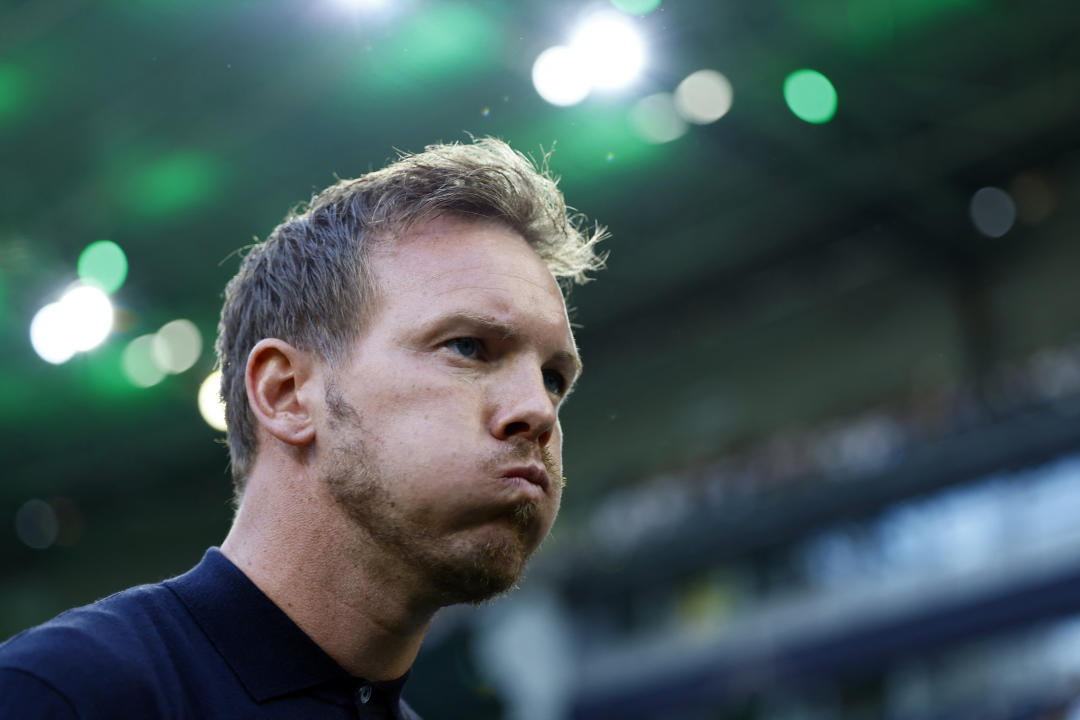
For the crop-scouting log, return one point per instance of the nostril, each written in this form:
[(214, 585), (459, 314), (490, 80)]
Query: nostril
[(516, 428)]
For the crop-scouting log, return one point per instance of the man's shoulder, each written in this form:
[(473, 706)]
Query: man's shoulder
[(107, 649), (114, 628)]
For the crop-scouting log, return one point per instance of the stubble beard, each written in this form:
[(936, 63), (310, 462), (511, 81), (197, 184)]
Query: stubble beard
[(451, 570)]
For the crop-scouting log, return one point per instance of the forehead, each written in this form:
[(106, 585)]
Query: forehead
[(478, 266)]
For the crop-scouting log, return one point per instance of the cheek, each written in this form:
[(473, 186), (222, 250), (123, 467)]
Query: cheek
[(425, 408), (555, 446)]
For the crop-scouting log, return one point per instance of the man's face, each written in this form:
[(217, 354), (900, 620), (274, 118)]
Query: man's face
[(442, 440)]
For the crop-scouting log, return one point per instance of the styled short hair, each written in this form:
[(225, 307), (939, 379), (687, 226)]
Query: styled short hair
[(309, 283)]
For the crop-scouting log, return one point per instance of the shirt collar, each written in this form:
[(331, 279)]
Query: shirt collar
[(268, 652)]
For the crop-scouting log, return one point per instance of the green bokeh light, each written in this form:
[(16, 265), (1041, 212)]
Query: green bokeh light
[(810, 96), (103, 264), (445, 39), (636, 7), (13, 90), (173, 184)]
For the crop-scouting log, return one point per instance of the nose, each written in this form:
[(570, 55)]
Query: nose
[(523, 407)]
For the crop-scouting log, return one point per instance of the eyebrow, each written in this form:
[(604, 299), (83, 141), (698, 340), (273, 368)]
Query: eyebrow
[(508, 332)]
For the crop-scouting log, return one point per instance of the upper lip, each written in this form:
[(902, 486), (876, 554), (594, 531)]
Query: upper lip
[(535, 474)]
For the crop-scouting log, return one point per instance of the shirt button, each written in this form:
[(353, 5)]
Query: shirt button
[(364, 694)]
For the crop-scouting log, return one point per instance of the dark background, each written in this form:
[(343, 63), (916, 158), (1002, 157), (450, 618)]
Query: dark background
[(801, 335)]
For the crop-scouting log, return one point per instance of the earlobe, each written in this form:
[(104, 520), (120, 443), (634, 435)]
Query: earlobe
[(276, 378)]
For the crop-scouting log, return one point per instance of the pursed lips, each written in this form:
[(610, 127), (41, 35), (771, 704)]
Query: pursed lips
[(535, 474)]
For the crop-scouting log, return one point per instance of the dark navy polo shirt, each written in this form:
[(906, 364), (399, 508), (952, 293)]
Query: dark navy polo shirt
[(208, 644)]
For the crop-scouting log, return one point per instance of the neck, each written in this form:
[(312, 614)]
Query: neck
[(300, 549)]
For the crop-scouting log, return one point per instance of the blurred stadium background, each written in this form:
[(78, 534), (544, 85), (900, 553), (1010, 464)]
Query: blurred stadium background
[(825, 462)]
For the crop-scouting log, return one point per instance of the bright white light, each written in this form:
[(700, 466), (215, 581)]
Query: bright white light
[(606, 52), (612, 50), (80, 321), (558, 77), (703, 97), (360, 11), (361, 4), (48, 335), (176, 346), (211, 407), (655, 119), (89, 316)]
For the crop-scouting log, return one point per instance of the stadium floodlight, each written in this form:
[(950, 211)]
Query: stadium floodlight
[(558, 78), (211, 407), (611, 48), (606, 52), (78, 322)]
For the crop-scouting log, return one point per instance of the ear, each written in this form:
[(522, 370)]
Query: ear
[(278, 380)]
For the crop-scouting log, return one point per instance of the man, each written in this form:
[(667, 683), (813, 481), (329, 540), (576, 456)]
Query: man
[(393, 361)]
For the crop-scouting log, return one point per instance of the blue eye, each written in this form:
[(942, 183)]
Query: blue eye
[(465, 346), (554, 382)]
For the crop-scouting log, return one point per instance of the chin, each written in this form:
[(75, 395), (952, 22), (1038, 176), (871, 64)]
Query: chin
[(491, 567)]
